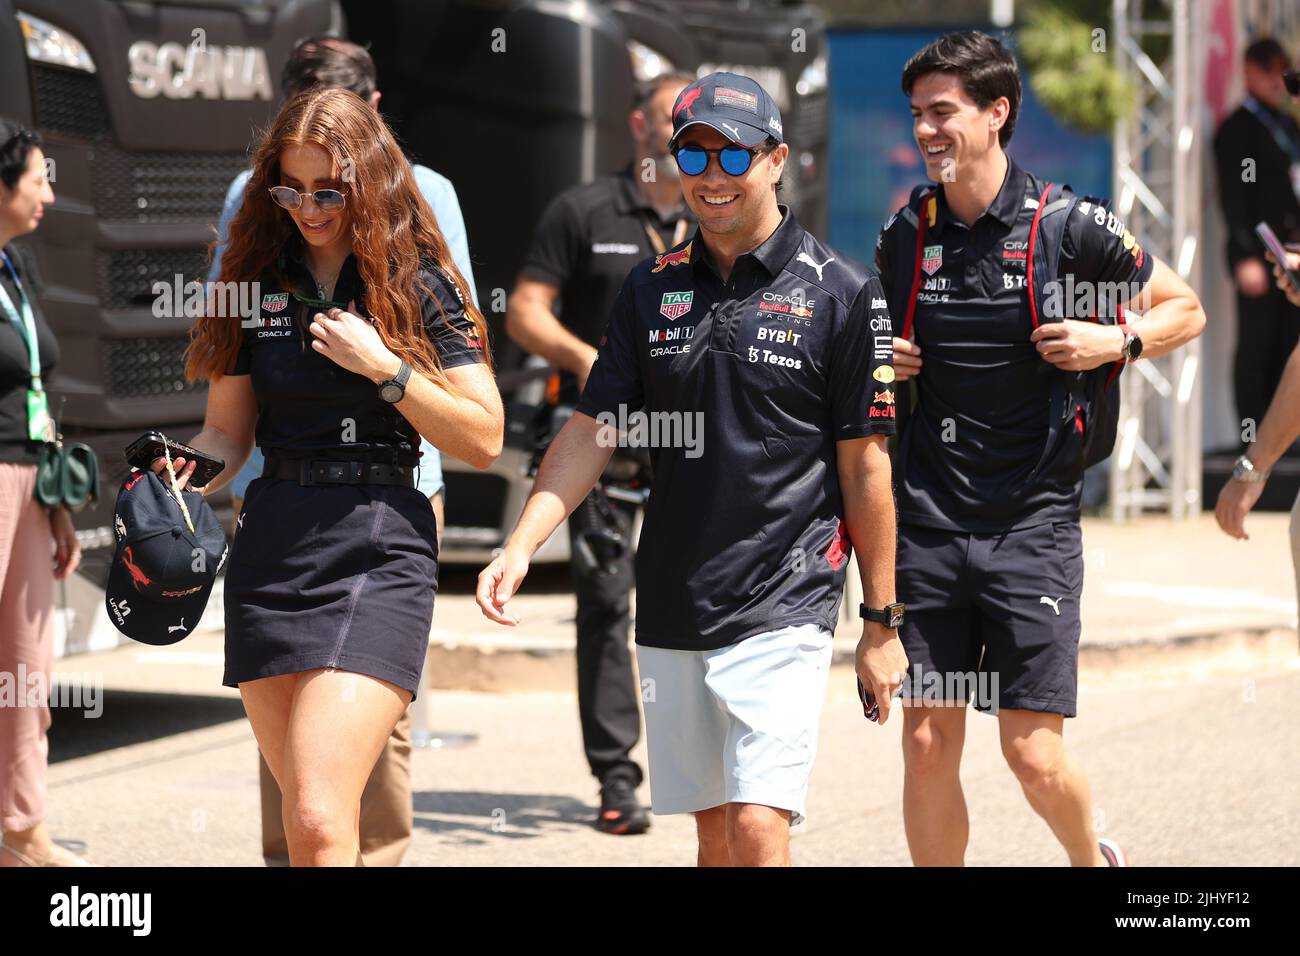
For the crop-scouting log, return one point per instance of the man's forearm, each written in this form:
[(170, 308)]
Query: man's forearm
[(1169, 325), (568, 472), (539, 332), (868, 494), (1281, 426)]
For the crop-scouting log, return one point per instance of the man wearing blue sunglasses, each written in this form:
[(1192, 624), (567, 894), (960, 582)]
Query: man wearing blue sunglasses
[(780, 349)]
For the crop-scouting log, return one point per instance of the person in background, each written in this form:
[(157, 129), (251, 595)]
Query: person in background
[(386, 809), (37, 547), (1279, 429), (1258, 156), (585, 244)]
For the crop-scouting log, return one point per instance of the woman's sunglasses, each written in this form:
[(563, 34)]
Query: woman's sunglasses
[(734, 160), (326, 200)]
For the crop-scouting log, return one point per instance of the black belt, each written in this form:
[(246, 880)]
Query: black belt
[(327, 471)]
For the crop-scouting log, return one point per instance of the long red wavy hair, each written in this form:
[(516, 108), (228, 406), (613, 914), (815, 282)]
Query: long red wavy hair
[(391, 225)]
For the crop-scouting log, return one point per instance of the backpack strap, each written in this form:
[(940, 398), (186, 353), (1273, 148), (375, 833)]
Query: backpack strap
[(1029, 255), (918, 218)]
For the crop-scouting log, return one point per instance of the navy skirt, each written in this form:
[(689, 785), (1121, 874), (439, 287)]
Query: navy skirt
[(340, 576)]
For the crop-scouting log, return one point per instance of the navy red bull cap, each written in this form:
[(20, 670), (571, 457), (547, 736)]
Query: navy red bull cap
[(162, 573), (736, 106)]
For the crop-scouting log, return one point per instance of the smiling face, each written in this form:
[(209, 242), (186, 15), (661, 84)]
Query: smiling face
[(22, 207), (731, 205), (949, 126), (307, 169)]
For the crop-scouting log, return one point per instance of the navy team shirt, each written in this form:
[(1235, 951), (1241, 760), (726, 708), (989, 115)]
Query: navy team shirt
[(980, 425), (745, 533), (308, 403)]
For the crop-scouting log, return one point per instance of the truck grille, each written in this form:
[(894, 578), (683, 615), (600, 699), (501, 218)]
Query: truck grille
[(69, 102), (126, 276), (137, 187), (162, 187), (147, 367)]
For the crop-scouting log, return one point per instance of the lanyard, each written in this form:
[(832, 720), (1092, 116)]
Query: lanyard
[(656, 241), (1275, 127), (26, 325)]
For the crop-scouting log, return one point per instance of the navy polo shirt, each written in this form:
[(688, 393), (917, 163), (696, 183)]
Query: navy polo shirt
[(305, 401), (980, 425), (744, 530)]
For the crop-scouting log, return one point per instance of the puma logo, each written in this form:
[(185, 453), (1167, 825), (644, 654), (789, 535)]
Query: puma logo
[(1055, 604), (735, 133), (808, 260), (240, 523), (177, 627)]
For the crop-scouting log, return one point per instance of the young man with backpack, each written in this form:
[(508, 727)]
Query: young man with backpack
[(993, 277)]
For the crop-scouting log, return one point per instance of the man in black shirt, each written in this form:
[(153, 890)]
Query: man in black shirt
[(1258, 156), (587, 241), (990, 556), (748, 354)]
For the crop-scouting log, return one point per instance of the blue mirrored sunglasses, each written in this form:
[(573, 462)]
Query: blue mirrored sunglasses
[(734, 160)]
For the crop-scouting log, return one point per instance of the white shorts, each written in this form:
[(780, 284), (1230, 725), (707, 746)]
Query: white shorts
[(737, 724)]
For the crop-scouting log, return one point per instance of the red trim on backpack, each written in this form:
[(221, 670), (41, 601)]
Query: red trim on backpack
[(922, 216), (1029, 255)]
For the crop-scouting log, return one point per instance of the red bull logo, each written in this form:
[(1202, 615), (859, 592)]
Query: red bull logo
[(687, 102), (138, 577), (678, 258), (837, 552)]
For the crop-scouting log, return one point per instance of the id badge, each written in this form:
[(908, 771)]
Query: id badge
[(40, 427)]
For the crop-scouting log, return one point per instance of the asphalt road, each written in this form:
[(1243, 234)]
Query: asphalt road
[(1194, 765)]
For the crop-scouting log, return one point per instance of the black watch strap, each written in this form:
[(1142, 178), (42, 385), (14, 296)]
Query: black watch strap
[(891, 615)]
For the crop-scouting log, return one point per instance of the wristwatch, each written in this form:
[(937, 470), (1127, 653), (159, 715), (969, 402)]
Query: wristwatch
[(394, 389), (891, 615), (1132, 344), (1243, 469)]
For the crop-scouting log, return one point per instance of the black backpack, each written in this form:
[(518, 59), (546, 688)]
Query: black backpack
[(1084, 403)]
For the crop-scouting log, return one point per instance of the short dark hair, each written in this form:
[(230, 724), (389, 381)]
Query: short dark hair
[(985, 67), (329, 63), (16, 145), (1266, 52), (646, 89)]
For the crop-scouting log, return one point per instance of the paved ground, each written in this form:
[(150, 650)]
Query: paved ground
[(1190, 741)]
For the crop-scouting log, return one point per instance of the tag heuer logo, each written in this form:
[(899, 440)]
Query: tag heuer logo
[(675, 304), (932, 259), (277, 302)]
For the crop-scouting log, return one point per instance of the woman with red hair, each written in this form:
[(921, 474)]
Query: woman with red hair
[(364, 337)]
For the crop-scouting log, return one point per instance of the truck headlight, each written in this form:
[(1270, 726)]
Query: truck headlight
[(813, 78), (47, 43)]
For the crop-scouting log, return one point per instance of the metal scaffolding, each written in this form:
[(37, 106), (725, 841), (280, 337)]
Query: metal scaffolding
[(1157, 179)]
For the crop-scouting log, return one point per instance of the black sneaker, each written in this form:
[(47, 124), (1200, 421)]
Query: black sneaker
[(620, 811)]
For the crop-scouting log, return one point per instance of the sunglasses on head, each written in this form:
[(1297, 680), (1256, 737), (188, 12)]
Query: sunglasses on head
[(734, 160), (326, 200), (1292, 80)]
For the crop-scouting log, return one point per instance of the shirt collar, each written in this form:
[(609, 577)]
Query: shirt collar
[(1006, 205), (772, 254)]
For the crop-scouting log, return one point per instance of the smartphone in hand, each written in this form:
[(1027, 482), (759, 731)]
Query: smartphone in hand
[(1274, 245), (148, 448), (870, 706)]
